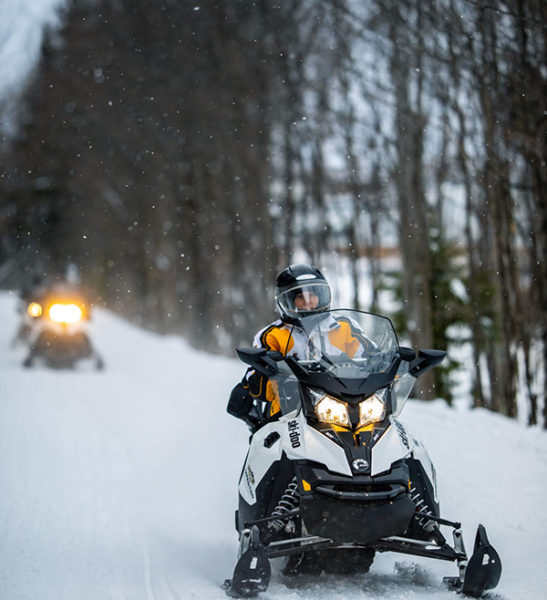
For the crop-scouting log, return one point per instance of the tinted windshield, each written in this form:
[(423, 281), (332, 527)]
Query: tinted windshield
[(349, 343), (339, 345)]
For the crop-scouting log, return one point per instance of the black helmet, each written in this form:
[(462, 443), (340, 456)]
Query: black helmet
[(296, 280)]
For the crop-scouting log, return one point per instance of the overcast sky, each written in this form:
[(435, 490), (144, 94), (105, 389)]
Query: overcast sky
[(21, 28)]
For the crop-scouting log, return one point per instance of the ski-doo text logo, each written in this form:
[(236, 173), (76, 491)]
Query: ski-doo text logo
[(294, 434), (250, 478), (402, 434)]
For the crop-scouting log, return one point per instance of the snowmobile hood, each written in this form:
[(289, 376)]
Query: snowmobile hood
[(347, 388)]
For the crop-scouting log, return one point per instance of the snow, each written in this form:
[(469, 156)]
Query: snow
[(121, 484), (21, 32)]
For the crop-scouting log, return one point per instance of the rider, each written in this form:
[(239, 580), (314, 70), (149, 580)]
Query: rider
[(302, 290)]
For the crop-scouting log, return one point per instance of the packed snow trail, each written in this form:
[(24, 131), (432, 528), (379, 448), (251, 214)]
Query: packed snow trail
[(121, 485)]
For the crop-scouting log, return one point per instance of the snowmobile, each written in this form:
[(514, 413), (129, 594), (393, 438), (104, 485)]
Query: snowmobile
[(335, 477), (56, 325)]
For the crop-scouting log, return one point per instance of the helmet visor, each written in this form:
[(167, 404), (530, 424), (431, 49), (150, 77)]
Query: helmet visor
[(304, 298)]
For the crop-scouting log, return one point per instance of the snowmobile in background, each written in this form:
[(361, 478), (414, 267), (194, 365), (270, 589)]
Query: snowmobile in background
[(55, 327), (29, 308), (335, 477)]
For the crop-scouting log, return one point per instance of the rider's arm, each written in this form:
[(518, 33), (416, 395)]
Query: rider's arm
[(260, 388), (272, 337), (254, 386), (351, 340)]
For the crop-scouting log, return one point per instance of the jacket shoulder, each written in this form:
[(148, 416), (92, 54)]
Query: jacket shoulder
[(263, 337)]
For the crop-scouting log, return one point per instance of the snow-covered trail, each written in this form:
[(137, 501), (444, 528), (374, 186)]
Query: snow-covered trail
[(113, 484), (122, 484)]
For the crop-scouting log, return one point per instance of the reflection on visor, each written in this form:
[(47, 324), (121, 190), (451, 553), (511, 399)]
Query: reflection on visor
[(304, 298)]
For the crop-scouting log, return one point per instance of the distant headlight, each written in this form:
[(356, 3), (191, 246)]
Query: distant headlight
[(372, 410), (34, 309), (330, 410), (65, 313)]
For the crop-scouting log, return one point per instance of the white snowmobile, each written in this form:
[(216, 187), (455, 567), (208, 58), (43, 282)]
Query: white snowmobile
[(334, 477)]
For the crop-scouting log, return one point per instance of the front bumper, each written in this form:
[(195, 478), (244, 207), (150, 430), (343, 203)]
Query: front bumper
[(360, 509)]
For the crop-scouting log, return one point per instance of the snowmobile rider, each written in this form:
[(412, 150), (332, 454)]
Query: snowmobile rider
[(301, 290)]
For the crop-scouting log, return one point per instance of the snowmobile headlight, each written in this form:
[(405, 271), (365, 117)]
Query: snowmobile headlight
[(371, 410), (34, 309), (65, 313), (330, 410)]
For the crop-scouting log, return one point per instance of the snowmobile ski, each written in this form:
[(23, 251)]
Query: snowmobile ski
[(484, 568), (252, 571)]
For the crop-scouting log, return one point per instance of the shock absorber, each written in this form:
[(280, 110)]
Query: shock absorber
[(423, 511), (288, 501)]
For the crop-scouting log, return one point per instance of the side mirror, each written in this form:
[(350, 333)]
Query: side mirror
[(427, 359), (262, 360), (407, 354)]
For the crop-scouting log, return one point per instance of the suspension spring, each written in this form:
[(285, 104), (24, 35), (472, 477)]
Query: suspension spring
[(288, 501), (422, 509)]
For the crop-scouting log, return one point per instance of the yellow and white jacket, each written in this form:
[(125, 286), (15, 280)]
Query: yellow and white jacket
[(342, 335)]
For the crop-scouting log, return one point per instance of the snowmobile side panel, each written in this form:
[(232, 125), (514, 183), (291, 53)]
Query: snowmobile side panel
[(259, 460), (423, 495), (391, 447), (298, 440), (266, 492), (421, 482), (304, 442), (420, 453)]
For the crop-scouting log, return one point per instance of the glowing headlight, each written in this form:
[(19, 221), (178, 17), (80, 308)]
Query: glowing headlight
[(34, 309), (371, 410), (329, 410), (65, 313)]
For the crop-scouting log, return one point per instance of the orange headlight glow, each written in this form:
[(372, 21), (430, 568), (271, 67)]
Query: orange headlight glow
[(34, 309), (65, 313)]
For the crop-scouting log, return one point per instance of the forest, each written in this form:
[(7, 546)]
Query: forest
[(180, 154)]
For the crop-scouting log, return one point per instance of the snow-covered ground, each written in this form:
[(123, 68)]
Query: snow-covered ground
[(121, 485)]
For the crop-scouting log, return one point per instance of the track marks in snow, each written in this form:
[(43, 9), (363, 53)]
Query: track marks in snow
[(121, 485), (399, 581)]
